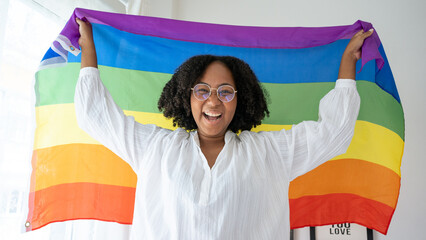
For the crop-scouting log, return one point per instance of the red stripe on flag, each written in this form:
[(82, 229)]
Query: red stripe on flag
[(81, 201), (339, 208)]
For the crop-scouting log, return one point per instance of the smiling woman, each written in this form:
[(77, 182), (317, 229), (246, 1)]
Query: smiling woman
[(210, 114)]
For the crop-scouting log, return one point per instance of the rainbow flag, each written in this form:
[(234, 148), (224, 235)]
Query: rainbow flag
[(74, 177)]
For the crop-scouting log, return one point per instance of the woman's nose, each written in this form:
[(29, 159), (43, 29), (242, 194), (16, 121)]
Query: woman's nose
[(213, 99)]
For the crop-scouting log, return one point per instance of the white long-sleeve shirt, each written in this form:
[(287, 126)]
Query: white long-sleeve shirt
[(244, 195)]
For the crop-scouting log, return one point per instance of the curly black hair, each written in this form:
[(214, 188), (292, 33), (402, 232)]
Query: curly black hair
[(175, 102)]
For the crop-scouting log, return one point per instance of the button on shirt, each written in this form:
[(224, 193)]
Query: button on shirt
[(244, 195)]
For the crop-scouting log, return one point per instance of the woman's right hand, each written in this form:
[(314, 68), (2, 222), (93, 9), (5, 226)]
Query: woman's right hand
[(86, 35), (87, 45)]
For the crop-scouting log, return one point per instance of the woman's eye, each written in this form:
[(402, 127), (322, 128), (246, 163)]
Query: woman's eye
[(202, 91), (225, 92)]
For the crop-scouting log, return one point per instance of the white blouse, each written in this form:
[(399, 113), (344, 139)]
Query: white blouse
[(244, 195)]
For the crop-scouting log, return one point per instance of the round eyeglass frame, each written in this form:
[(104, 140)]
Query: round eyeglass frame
[(210, 92)]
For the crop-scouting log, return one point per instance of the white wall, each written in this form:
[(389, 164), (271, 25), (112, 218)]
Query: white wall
[(401, 26)]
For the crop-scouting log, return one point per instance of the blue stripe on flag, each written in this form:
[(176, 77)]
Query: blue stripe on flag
[(50, 54), (317, 64), (384, 77)]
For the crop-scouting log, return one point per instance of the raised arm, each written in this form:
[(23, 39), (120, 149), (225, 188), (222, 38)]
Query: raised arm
[(98, 114), (312, 143)]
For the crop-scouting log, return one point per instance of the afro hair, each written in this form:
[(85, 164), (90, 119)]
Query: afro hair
[(251, 98)]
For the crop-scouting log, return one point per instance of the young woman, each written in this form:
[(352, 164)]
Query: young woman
[(203, 181)]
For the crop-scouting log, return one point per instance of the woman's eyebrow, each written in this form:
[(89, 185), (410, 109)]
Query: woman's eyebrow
[(223, 84), (205, 83)]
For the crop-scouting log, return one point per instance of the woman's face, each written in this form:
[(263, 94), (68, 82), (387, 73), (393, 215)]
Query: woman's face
[(212, 115)]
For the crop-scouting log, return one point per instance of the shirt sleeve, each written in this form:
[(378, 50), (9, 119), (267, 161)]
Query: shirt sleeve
[(311, 143), (104, 120)]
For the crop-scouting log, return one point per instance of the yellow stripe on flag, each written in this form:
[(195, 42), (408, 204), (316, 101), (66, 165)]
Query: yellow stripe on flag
[(57, 125), (375, 144)]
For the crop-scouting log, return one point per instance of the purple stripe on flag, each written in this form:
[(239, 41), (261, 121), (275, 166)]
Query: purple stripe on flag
[(227, 35)]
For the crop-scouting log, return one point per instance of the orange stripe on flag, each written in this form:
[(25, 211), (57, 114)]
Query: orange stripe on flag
[(81, 201), (352, 176), (339, 208)]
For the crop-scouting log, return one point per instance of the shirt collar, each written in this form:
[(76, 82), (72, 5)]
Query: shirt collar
[(229, 135)]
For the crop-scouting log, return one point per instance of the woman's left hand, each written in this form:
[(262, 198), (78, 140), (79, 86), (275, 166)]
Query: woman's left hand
[(351, 55), (353, 49)]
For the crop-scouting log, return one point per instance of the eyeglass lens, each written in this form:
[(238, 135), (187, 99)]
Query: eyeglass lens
[(225, 92)]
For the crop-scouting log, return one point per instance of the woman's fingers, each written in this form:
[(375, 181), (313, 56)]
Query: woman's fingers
[(360, 32), (82, 22), (79, 21), (361, 38), (368, 33), (363, 35)]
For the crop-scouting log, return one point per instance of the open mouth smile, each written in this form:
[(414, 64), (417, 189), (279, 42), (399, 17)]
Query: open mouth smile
[(212, 116)]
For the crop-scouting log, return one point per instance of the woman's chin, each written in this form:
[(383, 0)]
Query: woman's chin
[(212, 132)]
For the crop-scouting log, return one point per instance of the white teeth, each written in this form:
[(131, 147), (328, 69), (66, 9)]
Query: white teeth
[(213, 114)]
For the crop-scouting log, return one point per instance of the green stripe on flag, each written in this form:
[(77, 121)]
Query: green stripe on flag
[(289, 103)]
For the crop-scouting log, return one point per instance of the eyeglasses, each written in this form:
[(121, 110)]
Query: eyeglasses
[(202, 92)]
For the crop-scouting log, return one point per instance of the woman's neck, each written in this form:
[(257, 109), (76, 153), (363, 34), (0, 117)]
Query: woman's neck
[(208, 141), (211, 147)]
